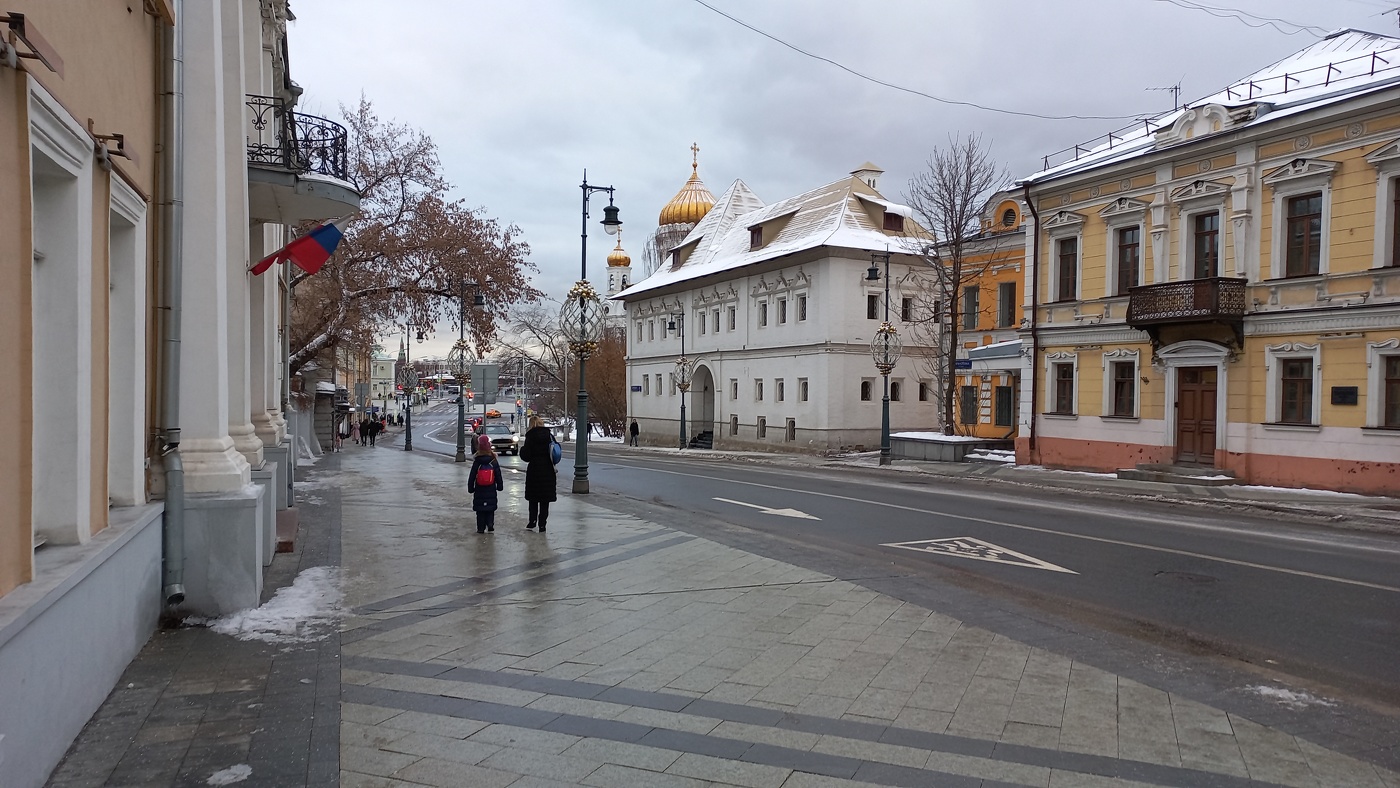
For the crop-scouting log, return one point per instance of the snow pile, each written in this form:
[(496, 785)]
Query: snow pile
[(993, 455), (1289, 698), (937, 437), (299, 613), (233, 774)]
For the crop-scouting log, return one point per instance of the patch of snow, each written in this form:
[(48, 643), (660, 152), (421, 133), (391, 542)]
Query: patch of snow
[(1309, 490), (325, 385), (998, 456), (299, 613), (318, 482), (937, 437), (1289, 698), (312, 500), (233, 774), (1086, 474)]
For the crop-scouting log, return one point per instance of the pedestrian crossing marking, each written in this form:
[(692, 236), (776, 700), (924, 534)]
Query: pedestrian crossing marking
[(978, 550)]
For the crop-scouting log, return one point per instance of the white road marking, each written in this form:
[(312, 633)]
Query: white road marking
[(766, 510), (978, 550), (1085, 537)]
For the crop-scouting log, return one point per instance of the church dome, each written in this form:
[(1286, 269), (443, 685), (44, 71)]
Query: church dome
[(692, 202), (618, 258)]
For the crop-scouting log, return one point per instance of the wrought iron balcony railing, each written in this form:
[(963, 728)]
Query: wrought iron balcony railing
[(279, 137), (1194, 300)]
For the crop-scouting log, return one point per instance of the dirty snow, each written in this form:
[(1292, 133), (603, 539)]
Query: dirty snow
[(994, 456), (233, 774), (300, 613), (1289, 698), (937, 437)]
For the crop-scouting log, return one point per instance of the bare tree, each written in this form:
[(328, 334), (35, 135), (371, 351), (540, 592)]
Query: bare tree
[(948, 198), (407, 252)]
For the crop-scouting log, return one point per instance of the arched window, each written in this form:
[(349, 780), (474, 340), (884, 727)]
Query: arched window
[(1008, 218), (894, 392), (865, 388)]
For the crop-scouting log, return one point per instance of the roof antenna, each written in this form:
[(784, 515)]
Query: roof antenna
[(1175, 90)]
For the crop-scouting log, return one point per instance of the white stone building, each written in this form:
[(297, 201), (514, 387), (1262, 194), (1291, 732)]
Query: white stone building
[(774, 310)]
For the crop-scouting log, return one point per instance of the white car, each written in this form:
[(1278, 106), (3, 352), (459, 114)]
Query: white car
[(503, 439)]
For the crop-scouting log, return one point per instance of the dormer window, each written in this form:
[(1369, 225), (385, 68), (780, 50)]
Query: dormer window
[(1008, 218), (894, 222), (755, 236)]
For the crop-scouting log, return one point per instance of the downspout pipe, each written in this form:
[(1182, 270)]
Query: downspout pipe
[(1035, 314), (172, 283)]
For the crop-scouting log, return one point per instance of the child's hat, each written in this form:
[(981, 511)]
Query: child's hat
[(483, 442)]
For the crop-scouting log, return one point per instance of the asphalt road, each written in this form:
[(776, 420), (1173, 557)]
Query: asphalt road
[(1319, 604)]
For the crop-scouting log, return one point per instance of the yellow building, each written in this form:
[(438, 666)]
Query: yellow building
[(1219, 287), (988, 319)]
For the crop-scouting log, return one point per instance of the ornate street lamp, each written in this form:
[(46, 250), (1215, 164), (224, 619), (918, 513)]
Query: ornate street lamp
[(683, 371), (885, 349), (460, 356), (582, 322), (408, 378)]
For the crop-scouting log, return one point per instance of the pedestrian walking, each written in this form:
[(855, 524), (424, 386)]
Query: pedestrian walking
[(354, 429), (540, 477), (634, 431), (371, 429), (483, 482)]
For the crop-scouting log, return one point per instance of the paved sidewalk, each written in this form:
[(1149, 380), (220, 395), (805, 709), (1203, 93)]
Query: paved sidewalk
[(614, 651)]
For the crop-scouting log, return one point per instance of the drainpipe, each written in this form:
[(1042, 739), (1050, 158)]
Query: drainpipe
[(172, 242), (1035, 314)]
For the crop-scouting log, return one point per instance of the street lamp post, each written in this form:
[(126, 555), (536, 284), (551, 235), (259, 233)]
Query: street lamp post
[(885, 349), (408, 378), (460, 352), (684, 367), (583, 323)]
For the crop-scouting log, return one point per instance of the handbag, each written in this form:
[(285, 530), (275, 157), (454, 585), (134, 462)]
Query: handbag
[(556, 452)]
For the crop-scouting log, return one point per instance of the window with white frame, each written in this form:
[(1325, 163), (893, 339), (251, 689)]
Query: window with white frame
[(651, 330), (762, 431), (1386, 160), (779, 390), (1124, 218), (646, 385), (1302, 213), (1200, 211), (782, 311), (673, 385), (762, 314), (1061, 380), (1383, 384), (872, 306), (1120, 376), (732, 315), (896, 390), (790, 434), (802, 307), (758, 390), (704, 323), (639, 331), (801, 389), (658, 384), (733, 425), (1293, 393), (733, 388), (867, 390), (1064, 229), (714, 316)]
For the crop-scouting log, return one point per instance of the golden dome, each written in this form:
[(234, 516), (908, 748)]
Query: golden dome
[(692, 202), (618, 258)]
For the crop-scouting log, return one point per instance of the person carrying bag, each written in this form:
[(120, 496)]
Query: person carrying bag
[(484, 480), (540, 453)]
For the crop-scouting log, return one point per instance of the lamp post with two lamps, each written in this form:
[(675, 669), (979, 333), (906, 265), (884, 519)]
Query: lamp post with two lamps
[(408, 378), (460, 354), (581, 320), (885, 349), (684, 369)]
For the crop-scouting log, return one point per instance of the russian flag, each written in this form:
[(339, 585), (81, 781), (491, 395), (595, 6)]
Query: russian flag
[(309, 252)]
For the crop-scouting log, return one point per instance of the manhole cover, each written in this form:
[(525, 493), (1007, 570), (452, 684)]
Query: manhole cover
[(1186, 577)]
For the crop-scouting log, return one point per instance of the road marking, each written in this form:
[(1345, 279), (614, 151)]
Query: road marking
[(766, 510), (978, 550), (1051, 531)]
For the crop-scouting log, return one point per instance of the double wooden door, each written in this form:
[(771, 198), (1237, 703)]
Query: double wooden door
[(1195, 415)]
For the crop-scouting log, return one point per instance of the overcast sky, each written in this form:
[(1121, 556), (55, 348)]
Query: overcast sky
[(521, 96)]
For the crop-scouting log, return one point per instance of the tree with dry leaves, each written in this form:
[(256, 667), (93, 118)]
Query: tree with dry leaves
[(947, 198), (408, 251)]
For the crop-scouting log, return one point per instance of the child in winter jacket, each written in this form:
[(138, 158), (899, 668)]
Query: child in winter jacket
[(482, 482)]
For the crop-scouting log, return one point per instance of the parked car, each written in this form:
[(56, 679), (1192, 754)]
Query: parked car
[(503, 440)]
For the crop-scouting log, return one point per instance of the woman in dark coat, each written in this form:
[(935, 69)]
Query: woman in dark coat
[(540, 477)]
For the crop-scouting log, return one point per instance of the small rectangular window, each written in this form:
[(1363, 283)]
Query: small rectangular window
[(732, 312), (1395, 224), (801, 308), (906, 309), (925, 388), (703, 323), (1304, 235), (733, 425), (801, 389), (758, 390), (733, 388), (779, 390), (894, 222), (646, 385), (716, 319), (1005, 406), (1129, 250), (970, 307), (867, 390), (658, 384), (762, 313), (790, 434), (1006, 304), (755, 237), (872, 306), (651, 330), (1296, 385), (896, 391), (1206, 258), (1067, 259), (782, 311), (1064, 389), (762, 427), (639, 331), (1124, 388), (967, 404)]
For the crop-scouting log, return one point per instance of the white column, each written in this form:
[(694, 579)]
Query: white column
[(265, 345), (240, 426), (212, 463)]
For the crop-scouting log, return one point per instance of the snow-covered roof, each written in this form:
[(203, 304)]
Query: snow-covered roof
[(325, 385), (1345, 64), (828, 215)]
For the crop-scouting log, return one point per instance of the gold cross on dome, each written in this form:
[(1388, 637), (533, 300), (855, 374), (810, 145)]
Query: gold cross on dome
[(694, 156)]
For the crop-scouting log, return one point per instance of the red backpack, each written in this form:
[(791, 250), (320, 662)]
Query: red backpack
[(485, 476)]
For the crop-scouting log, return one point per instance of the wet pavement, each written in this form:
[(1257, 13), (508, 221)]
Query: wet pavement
[(615, 651)]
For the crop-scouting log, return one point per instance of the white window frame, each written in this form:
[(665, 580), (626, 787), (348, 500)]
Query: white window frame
[(782, 310), (802, 390), (1387, 164), (803, 305), (876, 294), (1192, 200), (1273, 391), (658, 384), (639, 331), (1121, 355), (715, 326), (651, 330), (733, 388), (896, 389), (704, 322), (646, 385), (733, 317), (779, 389), (758, 389), (1061, 226), (863, 383), (1051, 361), (1123, 213), (1376, 353), (762, 313), (1294, 179)]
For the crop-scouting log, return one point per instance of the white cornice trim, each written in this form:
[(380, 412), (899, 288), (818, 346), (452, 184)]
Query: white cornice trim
[(1341, 319), (1079, 335)]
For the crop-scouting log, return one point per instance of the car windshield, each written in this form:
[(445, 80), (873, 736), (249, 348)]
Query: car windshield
[(497, 429)]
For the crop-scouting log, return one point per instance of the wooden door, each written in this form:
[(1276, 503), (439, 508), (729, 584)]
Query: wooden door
[(1195, 415)]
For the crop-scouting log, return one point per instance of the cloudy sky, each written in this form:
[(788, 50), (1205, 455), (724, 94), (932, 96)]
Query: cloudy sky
[(521, 96)]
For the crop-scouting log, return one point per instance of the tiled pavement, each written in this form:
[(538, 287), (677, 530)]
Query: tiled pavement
[(616, 652)]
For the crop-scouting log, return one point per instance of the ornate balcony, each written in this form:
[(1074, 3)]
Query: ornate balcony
[(298, 164), (1206, 303)]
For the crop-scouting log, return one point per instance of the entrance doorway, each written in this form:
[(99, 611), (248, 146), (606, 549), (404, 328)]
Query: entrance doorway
[(1195, 415)]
